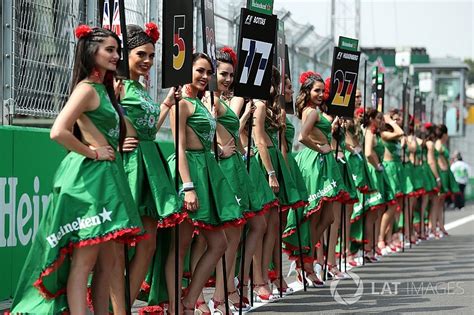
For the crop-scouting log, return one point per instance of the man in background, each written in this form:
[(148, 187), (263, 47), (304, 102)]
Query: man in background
[(462, 172)]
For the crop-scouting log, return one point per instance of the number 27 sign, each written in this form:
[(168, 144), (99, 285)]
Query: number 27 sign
[(255, 50), (345, 69)]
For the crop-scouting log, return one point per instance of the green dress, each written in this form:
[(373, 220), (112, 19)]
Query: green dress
[(417, 173), (219, 205), (347, 174), (449, 185), (324, 183), (254, 201), (146, 167), (288, 195), (385, 194), (91, 203), (393, 168)]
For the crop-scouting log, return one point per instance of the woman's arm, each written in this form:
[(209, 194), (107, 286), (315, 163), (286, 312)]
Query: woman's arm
[(369, 149), (167, 104), (283, 143), (432, 160), (83, 98), (397, 132)]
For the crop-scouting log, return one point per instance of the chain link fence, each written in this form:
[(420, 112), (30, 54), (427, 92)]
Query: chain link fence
[(41, 46)]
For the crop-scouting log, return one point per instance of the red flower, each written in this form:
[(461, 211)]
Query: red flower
[(359, 112), (152, 31), (305, 75), (428, 125), (327, 89), (82, 30), (232, 54)]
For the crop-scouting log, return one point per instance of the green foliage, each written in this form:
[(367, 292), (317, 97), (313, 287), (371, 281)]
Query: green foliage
[(470, 73)]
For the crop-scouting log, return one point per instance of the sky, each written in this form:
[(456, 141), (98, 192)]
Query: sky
[(443, 27)]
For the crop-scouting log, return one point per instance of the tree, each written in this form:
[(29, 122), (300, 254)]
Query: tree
[(470, 73)]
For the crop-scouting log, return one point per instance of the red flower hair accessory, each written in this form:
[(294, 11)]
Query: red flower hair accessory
[(327, 89), (232, 54), (359, 112), (152, 31), (305, 75), (82, 30), (428, 125)]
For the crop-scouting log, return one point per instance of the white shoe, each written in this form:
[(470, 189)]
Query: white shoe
[(292, 269)]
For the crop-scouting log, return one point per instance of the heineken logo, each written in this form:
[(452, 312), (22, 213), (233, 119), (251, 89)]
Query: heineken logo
[(20, 212), (79, 224), (322, 192)]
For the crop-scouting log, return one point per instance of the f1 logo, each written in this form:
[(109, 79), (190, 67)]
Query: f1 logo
[(248, 20), (339, 56)]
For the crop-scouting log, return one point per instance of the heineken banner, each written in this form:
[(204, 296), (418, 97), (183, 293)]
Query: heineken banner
[(345, 70), (209, 37), (116, 23), (261, 6), (177, 42), (373, 93), (289, 106), (255, 51)]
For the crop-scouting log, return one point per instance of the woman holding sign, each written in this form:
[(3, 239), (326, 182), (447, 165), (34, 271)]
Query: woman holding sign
[(267, 127), (91, 201), (145, 165), (320, 171), (208, 197)]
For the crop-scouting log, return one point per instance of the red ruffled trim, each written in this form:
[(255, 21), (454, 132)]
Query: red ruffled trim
[(265, 209), (399, 195), (272, 275), (38, 284), (377, 207), (145, 287), (351, 201), (296, 205), (364, 189), (155, 310), (210, 227), (172, 220)]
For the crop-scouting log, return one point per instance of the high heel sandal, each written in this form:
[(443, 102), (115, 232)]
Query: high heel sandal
[(335, 273), (285, 290), (198, 309), (236, 305), (262, 297), (213, 306), (315, 282)]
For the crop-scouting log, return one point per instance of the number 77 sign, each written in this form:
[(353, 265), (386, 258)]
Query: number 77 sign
[(344, 74), (255, 50), (177, 42)]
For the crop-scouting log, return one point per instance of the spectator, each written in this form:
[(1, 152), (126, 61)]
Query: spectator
[(462, 172)]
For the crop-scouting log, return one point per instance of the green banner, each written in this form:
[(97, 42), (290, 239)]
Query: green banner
[(261, 6), (348, 43)]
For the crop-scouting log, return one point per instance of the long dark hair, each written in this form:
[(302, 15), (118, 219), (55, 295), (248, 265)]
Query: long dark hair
[(273, 112), (304, 94), (84, 63), (371, 114), (440, 130)]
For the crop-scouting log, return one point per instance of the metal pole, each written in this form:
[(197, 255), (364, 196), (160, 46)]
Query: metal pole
[(177, 284), (128, 302)]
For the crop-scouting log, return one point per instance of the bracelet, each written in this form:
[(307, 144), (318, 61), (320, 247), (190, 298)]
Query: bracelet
[(271, 173), (438, 179), (188, 186), (96, 155)]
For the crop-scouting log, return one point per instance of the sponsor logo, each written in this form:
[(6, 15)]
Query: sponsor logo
[(78, 224), (16, 218), (322, 192), (347, 299)]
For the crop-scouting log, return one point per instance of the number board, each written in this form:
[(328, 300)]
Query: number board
[(177, 42), (113, 18), (373, 97), (255, 50), (345, 70), (380, 92), (417, 105), (289, 106), (209, 37)]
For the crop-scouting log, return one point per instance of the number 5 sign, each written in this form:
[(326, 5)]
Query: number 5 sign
[(177, 42), (255, 50), (345, 69)]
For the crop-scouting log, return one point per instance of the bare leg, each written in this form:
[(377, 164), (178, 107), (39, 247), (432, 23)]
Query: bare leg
[(233, 239), (385, 226), (258, 260), (103, 271), (334, 234), (424, 203), (185, 237), (83, 261), (138, 267), (349, 210), (268, 244), (216, 247)]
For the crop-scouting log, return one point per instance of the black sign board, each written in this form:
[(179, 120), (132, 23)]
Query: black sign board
[(417, 105), (255, 51), (280, 60), (373, 90), (113, 18), (177, 42), (381, 92), (209, 37), (289, 106), (345, 70)]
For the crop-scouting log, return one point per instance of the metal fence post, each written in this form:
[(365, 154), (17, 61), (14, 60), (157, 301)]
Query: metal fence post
[(155, 78), (91, 13), (7, 108)]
